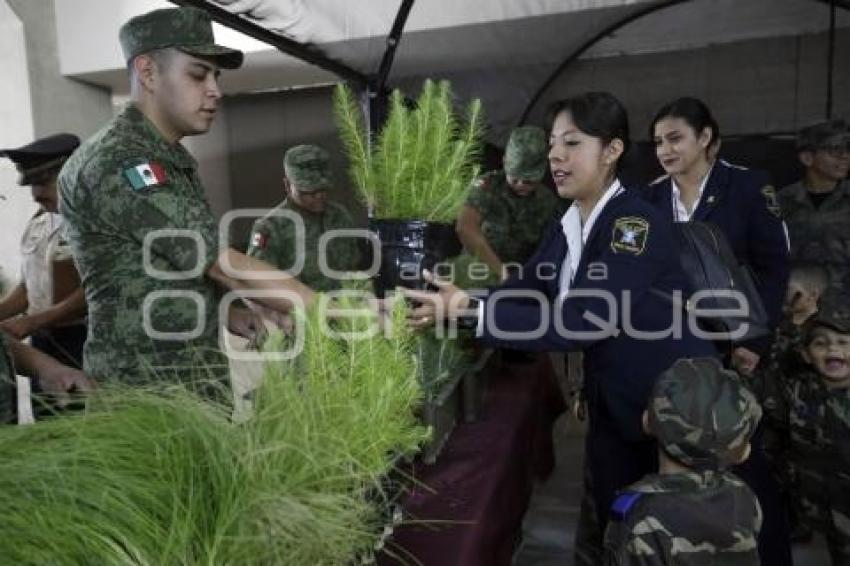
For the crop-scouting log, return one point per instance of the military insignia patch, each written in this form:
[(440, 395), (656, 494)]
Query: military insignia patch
[(771, 201), (259, 240), (144, 175), (629, 235)]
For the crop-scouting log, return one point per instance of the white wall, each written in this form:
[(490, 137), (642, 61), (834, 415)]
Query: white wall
[(59, 104), (88, 46), (17, 129), (87, 32)]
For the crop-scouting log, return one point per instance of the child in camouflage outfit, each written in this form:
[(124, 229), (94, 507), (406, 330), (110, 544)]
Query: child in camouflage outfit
[(783, 362), (692, 512), (817, 409), (806, 284)]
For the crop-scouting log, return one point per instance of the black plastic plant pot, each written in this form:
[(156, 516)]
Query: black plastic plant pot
[(408, 247)]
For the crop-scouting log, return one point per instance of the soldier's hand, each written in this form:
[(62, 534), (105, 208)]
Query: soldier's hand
[(19, 327), (61, 381), (744, 360), (247, 324)]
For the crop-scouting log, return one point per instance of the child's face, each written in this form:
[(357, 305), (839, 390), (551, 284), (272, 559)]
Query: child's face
[(829, 352)]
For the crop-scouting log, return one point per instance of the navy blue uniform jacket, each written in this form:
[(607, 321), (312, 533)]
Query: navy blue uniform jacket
[(620, 366), (743, 205)]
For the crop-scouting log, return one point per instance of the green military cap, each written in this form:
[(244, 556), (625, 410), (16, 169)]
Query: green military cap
[(698, 411), (41, 158), (824, 135), (306, 167), (526, 156), (833, 313), (187, 29)]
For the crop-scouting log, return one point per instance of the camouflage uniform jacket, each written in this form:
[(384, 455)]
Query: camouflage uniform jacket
[(782, 362), (118, 189), (8, 392), (819, 235), (274, 239), (513, 225), (707, 518), (819, 451), (770, 384)]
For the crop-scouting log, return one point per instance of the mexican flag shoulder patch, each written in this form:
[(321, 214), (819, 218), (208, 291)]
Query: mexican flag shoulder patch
[(259, 240), (144, 175)]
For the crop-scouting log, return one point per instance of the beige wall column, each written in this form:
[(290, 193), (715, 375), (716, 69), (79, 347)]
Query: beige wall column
[(16, 205)]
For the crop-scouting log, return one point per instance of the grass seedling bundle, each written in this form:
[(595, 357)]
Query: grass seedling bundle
[(422, 162), (162, 476)]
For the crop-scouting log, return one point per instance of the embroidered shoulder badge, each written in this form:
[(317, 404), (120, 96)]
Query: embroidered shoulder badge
[(629, 235), (770, 199), (259, 240), (144, 175)]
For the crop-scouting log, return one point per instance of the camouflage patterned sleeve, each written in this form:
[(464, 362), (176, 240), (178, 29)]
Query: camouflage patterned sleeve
[(351, 253), (171, 219), (8, 393), (555, 205), (273, 241), (480, 196), (258, 241), (638, 544)]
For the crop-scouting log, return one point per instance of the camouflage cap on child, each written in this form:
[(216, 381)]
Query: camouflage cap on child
[(699, 412)]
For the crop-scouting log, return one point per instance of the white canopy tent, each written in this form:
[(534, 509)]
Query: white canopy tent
[(505, 50), (763, 66)]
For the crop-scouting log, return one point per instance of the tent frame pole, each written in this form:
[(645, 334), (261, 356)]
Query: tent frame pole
[(657, 6), (376, 102), (830, 58)]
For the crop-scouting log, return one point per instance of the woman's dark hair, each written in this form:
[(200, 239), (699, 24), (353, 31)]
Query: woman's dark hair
[(693, 111), (597, 114)]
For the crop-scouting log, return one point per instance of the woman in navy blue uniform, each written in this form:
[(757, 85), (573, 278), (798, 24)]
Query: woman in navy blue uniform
[(738, 200), (599, 282), (743, 205)]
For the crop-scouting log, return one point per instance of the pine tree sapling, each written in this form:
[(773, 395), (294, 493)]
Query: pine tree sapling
[(422, 163)]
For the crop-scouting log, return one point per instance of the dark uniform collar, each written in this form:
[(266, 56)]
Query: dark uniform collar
[(135, 124)]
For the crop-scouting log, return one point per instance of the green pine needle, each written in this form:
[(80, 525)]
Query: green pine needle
[(425, 159)]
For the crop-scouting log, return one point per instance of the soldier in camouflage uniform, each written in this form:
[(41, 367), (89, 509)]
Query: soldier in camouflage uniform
[(817, 413), (817, 208), (507, 211), (47, 304), (8, 394), (693, 511), (274, 238), (141, 231), (51, 379)]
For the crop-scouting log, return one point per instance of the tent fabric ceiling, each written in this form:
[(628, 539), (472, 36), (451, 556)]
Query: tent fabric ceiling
[(502, 50), (444, 36)]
